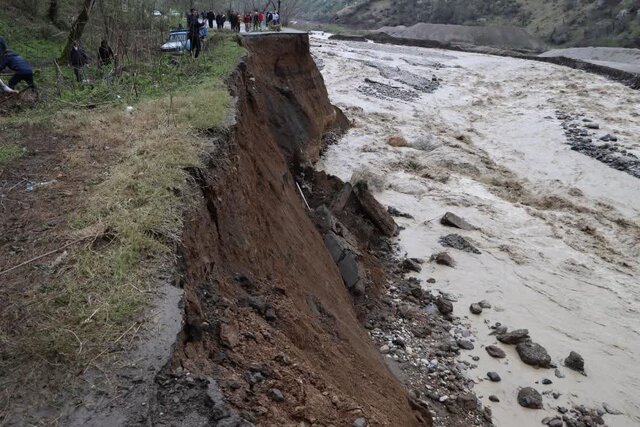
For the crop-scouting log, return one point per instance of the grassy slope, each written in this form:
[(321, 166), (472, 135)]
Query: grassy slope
[(80, 317)]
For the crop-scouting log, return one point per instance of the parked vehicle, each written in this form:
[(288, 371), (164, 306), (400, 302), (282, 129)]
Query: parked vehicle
[(178, 41)]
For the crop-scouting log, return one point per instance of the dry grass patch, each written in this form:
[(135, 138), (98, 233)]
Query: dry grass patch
[(132, 223)]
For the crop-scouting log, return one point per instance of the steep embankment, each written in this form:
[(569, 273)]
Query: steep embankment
[(268, 319)]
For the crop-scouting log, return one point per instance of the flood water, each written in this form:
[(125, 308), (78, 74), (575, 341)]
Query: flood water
[(558, 231)]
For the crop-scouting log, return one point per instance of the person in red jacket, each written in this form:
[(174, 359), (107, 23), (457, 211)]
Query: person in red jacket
[(260, 20), (247, 22)]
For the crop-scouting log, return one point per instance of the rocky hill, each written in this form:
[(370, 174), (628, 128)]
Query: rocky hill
[(560, 22)]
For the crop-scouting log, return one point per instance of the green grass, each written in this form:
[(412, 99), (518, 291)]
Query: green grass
[(10, 152)]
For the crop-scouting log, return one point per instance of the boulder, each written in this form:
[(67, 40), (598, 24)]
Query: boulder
[(397, 141), (456, 241), (574, 361), (468, 401), (533, 354), (360, 422), (444, 306), (276, 395), (484, 304), (475, 308), (514, 337), (229, 336), (443, 258), (495, 351), (353, 273), (465, 344), (342, 198), (452, 220), (528, 397), (410, 264), (494, 377), (375, 211)]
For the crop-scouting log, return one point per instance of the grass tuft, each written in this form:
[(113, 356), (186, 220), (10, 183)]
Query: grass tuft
[(10, 152)]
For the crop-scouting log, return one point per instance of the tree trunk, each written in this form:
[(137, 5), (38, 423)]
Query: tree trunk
[(77, 28), (52, 14)]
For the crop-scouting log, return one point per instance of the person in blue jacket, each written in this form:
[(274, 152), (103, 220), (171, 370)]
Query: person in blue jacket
[(16, 63)]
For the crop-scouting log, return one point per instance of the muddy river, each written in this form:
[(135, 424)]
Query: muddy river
[(558, 230)]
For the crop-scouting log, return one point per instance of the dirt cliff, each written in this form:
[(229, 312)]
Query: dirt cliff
[(271, 334)]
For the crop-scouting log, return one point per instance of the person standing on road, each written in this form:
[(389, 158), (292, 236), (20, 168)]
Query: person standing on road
[(78, 59), (260, 20), (17, 64), (194, 32), (254, 18), (247, 22)]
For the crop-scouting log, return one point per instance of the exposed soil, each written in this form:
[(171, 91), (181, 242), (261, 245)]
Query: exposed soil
[(267, 316)]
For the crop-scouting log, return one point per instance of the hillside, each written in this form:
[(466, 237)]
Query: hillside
[(559, 22)]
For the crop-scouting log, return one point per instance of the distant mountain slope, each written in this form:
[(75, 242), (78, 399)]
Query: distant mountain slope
[(560, 22)]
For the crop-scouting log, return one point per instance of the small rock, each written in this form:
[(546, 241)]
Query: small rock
[(575, 362), (452, 220), (229, 336), (397, 141), (395, 212), (443, 258), (276, 395), (384, 349), (444, 306), (468, 401), (556, 422), (431, 280), (592, 126), (465, 344), (360, 422), (528, 397), (494, 398), (443, 399), (458, 242), (610, 410), (559, 374), (475, 308), (514, 337), (533, 354), (562, 409), (495, 351), (411, 265), (547, 381), (494, 377), (484, 304)]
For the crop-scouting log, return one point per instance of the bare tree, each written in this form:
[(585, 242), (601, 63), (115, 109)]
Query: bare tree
[(52, 13), (77, 28), (289, 9)]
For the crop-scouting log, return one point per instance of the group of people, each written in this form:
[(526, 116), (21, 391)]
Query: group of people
[(78, 60), (258, 19), (255, 21)]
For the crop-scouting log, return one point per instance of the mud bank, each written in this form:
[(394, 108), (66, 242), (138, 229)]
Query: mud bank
[(271, 335)]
